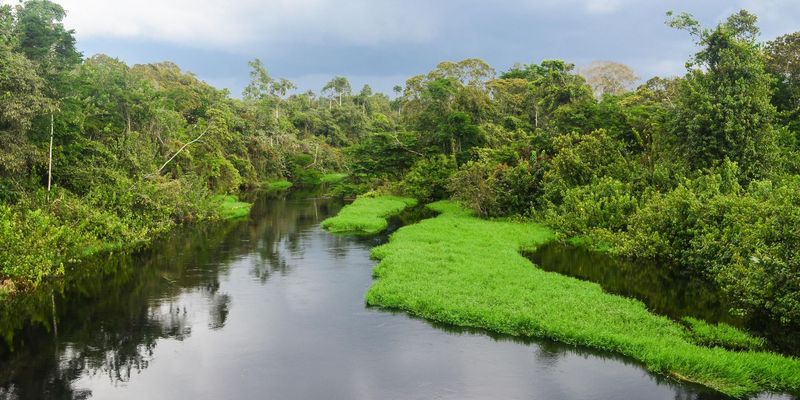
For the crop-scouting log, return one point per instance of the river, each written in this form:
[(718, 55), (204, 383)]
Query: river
[(272, 308)]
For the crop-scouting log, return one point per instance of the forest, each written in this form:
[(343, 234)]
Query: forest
[(700, 171)]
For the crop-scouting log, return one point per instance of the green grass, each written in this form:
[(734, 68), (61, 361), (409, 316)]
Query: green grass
[(723, 335), (230, 207), (332, 178), (276, 186), (461, 270), (367, 215)]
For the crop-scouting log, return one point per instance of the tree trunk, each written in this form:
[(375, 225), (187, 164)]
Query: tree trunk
[(50, 157)]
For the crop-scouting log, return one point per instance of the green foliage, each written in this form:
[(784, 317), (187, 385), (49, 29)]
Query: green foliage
[(427, 180), (744, 240), (21, 97), (461, 270), (606, 204), (367, 215), (31, 241), (722, 335), (582, 158), (699, 170), (724, 108)]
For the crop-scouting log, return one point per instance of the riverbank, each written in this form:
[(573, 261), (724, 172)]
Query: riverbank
[(39, 240), (465, 271)]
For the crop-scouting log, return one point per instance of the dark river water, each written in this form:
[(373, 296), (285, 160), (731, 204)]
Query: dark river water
[(272, 308)]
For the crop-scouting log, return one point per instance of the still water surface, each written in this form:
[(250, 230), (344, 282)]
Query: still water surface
[(272, 308)]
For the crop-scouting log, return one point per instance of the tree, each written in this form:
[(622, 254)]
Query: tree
[(560, 98), (43, 39), (783, 62), (608, 77), (724, 108), (262, 86), (21, 99), (21, 91), (269, 92), (339, 86)]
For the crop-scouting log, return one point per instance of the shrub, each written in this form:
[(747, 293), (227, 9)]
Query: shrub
[(428, 179), (605, 204)]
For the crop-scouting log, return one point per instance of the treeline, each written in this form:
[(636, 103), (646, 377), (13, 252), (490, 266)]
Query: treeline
[(700, 170), (137, 149)]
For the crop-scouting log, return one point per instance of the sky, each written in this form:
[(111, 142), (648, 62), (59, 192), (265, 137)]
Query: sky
[(384, 42)]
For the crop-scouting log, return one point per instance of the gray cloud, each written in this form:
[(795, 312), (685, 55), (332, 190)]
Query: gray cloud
[(386, 41)]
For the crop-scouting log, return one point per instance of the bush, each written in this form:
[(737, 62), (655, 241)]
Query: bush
[(470, 186), (747, 242), (428, 179), (497, 189), (606, 204), (33, 245)]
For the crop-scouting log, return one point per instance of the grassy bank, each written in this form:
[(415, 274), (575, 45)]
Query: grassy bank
[(230, 207), (466, 271), (367, 215)]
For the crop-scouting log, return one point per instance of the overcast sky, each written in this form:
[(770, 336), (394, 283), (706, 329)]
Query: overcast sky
[(383, 42)]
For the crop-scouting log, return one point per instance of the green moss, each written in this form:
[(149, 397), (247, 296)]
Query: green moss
[(332, 178), (722, 335), (367, 215), (466, 271), (230, 207)]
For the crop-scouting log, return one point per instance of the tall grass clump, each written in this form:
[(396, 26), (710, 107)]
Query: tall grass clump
[(462, 270), (230, 207), (367, 215), (723, 335)]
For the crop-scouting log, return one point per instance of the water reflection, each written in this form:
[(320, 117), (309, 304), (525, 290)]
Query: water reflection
[(109, 313)]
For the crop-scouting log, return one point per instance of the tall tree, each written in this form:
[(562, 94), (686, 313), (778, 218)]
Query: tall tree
[(42, 37), (339, 87), (724, 108), (783, 62), (608, 77), (560, 97)]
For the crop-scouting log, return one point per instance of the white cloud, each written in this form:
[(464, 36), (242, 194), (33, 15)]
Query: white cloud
[(585, 6), (215, 24)]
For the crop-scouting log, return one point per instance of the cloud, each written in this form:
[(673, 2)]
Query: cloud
[(602, 6), (591, 7), (239, 23)]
